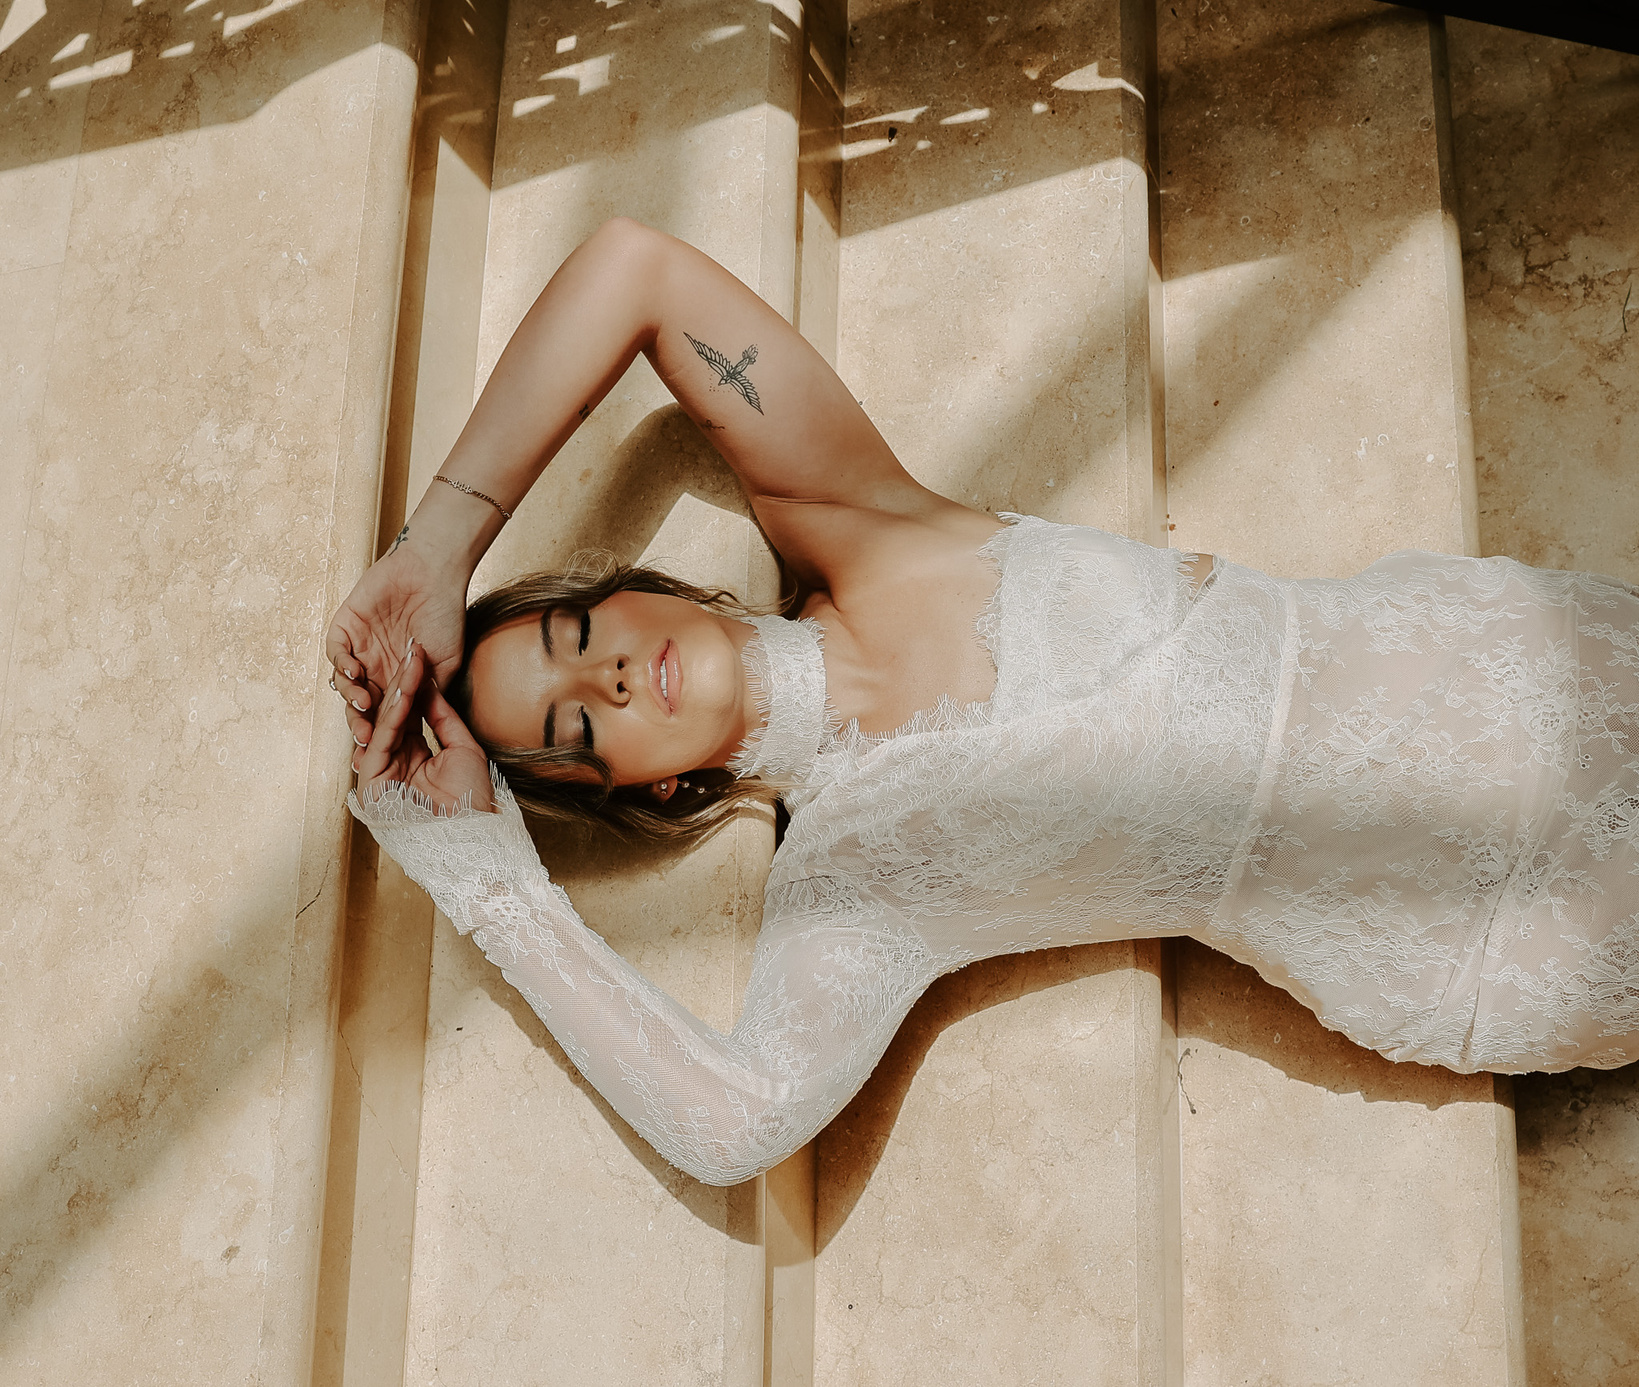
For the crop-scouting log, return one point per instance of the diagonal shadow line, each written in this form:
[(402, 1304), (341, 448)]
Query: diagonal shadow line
[(210, 80), (852, 1146), (1261, 322), (178, 1062)]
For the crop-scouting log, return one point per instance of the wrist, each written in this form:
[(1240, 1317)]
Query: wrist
[(451, 531)]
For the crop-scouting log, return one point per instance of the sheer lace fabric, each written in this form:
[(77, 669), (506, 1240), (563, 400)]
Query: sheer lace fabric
[(1411, 798)]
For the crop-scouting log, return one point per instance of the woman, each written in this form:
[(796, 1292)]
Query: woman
[(1409, 798)]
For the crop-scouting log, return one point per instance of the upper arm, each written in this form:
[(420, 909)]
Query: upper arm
[(824, 483)]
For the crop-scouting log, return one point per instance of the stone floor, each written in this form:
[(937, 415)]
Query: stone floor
[(246, 1072)]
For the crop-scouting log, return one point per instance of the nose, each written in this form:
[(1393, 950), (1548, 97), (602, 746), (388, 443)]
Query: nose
[(609, 680)]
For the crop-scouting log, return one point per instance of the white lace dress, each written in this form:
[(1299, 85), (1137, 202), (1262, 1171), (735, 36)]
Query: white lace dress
[(1410, 798)]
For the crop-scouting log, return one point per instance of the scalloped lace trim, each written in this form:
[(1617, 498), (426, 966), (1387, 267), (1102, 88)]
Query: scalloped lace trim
[(785, 668)]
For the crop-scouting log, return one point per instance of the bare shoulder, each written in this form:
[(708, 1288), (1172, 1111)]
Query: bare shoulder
[(900, 615), (861, 551)]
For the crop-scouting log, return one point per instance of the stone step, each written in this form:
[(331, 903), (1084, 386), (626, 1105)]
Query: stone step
[(993, 1205), (533, 1207), (201, 217), (1345, 1218), (1550, 231)]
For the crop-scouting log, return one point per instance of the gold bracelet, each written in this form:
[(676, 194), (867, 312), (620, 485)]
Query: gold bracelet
[(473, 491)]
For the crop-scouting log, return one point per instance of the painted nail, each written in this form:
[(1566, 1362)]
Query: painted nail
[(357, 742), (410, 649), (394, 699), (361, 705)]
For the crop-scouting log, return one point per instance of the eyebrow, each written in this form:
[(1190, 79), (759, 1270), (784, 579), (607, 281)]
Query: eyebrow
[(546, 640)]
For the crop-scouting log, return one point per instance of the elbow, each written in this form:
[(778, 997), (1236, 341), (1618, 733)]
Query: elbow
[(716, 1162), (629, 246), (632, 261)]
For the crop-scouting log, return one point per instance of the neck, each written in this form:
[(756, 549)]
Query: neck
[(748, 720), (788, 717)]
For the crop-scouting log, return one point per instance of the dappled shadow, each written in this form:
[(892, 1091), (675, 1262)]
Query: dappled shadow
[(87, 76)]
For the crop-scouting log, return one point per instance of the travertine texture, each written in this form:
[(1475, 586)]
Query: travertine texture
[(995, 289), (370, 1195), (1579, 1170), (1313, 415), (551, 1243), (200, 275), (1344, 1220), (984, 1211), (1340, 1212), (1548, 182), (990, 1207)]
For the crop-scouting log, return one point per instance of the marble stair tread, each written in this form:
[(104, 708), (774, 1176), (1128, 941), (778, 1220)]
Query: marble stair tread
[(1344, 1218)]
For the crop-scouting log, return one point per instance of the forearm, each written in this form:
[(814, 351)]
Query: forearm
[(582, 333), (820, 1007)]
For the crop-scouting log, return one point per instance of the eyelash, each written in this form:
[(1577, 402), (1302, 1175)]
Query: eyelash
[(585, 637)]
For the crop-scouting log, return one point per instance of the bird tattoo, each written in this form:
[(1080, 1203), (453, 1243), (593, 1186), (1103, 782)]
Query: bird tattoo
[(730, 372)]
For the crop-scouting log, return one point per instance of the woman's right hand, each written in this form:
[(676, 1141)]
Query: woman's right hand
[(402, 597), (398, 753)]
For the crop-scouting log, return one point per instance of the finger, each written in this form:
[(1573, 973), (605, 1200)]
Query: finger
[(446, 722), (360, 726), (348, 675), (393, 717), (356, 696)]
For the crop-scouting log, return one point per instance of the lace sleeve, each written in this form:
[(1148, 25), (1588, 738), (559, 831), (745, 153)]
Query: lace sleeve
[(824, 999)]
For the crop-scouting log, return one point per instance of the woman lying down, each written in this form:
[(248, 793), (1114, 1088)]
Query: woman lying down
[(1410, 798)]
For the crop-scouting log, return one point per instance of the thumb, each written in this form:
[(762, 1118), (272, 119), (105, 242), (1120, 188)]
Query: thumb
[(446, 723)]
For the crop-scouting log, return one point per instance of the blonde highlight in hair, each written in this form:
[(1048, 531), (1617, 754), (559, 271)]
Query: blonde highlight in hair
[(537, 775)]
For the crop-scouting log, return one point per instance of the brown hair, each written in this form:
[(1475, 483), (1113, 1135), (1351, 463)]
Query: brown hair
[(536, 775)]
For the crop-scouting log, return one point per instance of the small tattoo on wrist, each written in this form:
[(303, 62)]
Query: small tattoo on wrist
[(730, 372), (585, 410), (403, 535)]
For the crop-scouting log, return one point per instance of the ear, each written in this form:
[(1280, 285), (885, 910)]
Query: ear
[(663, 790)]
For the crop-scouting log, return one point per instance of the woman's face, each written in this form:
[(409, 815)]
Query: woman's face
[(654, 684)]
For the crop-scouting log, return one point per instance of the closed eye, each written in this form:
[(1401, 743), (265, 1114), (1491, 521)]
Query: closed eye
[(585, 636), (586, 730)]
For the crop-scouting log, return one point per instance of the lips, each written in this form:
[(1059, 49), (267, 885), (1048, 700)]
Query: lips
[(666, 678)]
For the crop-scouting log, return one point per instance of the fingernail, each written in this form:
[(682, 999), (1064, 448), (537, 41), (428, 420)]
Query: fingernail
[(394, 698), (357, 742), (360, 704), (410, 649)]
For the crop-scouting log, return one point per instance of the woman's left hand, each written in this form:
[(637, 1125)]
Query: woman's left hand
[(398, 750)]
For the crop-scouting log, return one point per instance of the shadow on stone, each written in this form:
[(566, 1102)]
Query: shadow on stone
[(851, 1147)]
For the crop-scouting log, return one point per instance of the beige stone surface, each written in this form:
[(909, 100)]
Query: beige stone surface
[(1579, 1168), (995, 292), (1550, 233), (1313, 416), (987, 1207), (1340, 1212), (1549, 193), (375, 1126), (199, 447), (1344, 1220), (537, 1207), (992, 1204)]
